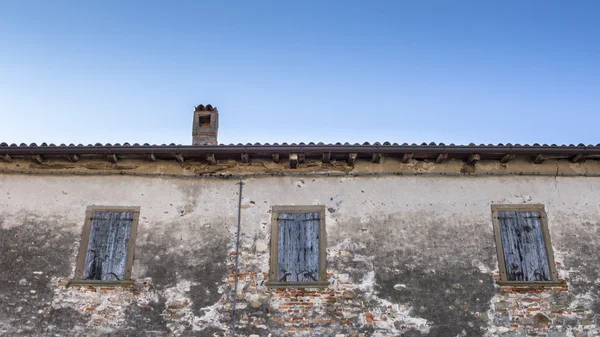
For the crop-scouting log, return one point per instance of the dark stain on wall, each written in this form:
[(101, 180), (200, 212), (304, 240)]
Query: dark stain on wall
[(447, 299), (144, 321), (62, 322), (204, 267), (31, 254), (429, 266), (579, 240)]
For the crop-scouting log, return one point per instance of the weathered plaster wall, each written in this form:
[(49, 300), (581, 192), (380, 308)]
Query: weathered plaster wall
[(410, 256), (179, 264)]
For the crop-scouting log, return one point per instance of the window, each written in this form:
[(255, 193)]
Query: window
[(523, 245), (298, 247), (106, 251)]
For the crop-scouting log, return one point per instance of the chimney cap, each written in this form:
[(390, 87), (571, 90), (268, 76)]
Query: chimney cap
[(202, 107)]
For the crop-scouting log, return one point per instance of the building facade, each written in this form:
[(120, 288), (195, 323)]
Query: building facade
[(299, 240)]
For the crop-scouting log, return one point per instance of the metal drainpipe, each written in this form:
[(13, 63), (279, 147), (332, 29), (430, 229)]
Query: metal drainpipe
[(237, 258)]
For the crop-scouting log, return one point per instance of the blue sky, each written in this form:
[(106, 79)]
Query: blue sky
[(355, 71)]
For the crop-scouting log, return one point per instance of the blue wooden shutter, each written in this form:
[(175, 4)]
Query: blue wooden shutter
[(106, 255), (298, 249), (525, 253)]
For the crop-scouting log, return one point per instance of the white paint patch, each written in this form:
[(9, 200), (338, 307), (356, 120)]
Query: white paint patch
[(482, 267), (178, 305)]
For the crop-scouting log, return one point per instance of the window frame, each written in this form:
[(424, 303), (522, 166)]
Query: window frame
[(275, 210), (496, 208), (85, 238)]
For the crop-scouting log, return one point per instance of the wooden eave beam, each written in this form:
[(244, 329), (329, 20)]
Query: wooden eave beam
[(406, 157), (326, 157), (210, 158), (579, 158), (540, 158), (179, 158), (37, 158), (293, 160), (276, 158), (152, 157), (112, 158), (7, 158), (473, 158), (441, 157), (351, 159), (73, 158), (301, 157), (507, 157), (245, 158), (378, 158)]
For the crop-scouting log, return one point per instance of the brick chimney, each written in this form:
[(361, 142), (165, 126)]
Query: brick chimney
[(206, 125)]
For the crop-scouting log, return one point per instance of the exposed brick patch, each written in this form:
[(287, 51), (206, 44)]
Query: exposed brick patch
[(101, 305), (345, 307), (541, 311)]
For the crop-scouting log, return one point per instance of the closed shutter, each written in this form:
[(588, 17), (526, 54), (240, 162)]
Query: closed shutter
[(106, 255), (524, 248), (298, 247)]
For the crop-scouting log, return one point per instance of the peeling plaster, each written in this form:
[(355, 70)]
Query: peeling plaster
[(406, 255)]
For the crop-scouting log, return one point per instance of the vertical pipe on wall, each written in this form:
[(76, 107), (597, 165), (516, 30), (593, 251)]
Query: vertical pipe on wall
[(237, 258)]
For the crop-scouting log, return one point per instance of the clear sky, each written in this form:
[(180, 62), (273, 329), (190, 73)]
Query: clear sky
[(282, 71)]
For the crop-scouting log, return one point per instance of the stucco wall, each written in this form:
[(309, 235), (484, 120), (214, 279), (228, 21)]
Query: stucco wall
[(410, 256)]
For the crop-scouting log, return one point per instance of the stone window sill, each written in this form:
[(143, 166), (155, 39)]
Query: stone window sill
[(319, 284), (97, 283), (532, 284)]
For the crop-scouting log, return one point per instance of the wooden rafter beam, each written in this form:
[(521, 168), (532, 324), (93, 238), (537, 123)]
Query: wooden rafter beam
[(7, 158), (112, 158), (406, 157), (245, 158), (326, 157), (473, 158), (180, 159), (152, 157), (73, 158), (378, 158), (579, 158), (276, 158), (37, 158), (441, 157), (301, 158), (540, 158), (210, 158), (507, 157), (293, 160), (351, 159)]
